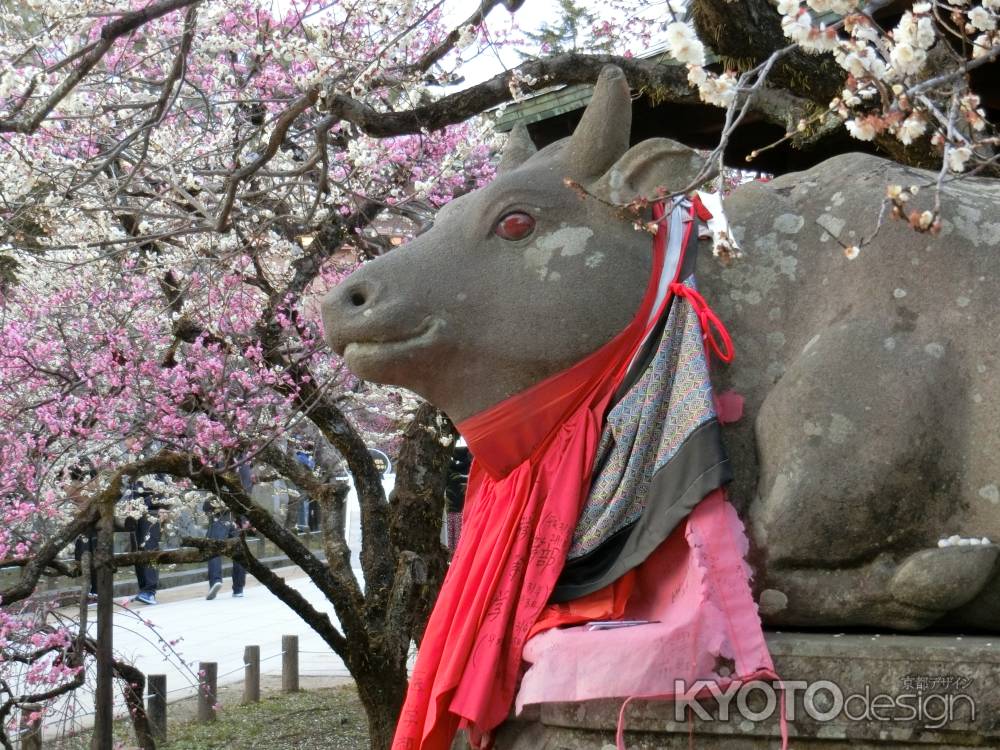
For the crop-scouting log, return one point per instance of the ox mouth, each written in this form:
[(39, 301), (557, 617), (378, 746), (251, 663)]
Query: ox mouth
[(364, 350)]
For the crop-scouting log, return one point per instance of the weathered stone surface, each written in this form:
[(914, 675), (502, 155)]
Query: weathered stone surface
[(952, 681), (871, 391)]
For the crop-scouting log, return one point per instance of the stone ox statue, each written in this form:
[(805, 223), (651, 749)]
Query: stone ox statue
[(870, 429)]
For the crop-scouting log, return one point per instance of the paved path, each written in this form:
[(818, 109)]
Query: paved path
[(216, 631)]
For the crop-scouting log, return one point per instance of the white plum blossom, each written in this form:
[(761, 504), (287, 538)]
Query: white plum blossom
[(467, 37), (853, 63), (925, 33), (973, 113), (910, 129), (970, 101), (982, 19), (798, 27), (788, 7), (822, 39), (696, 75), (983, 44), (518, 80), (907, 59), (862, 61), (684, 44), (717, 90), (863, 130), (914, 35), (957, 158), (862, 30)]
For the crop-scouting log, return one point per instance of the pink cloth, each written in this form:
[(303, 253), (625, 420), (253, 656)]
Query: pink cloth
[(696, 585)]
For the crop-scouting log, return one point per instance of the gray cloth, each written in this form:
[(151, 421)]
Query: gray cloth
[(660, 453)]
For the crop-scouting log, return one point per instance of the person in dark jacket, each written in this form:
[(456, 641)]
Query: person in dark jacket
[(80, 475), (221, 526), (145, 536), (308, 519), (458, 479)]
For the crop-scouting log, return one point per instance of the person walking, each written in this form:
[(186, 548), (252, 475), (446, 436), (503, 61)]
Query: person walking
[(306, 455), (221, 526), (454, 492), (80, 475), (146, 537)]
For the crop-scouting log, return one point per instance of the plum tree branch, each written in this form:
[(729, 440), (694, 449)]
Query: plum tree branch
[(338, 554), (121, 26), (168, 95), (668, 80), (318, 621), (447, 44), (227, 487)]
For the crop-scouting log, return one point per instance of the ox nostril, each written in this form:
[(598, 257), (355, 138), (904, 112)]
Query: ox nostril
[(357, 296)]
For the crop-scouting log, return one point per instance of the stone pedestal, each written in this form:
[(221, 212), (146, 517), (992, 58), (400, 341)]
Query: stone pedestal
[(851, 690)]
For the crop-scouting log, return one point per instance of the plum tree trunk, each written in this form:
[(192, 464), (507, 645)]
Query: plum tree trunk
[(381, 687), (417, 510)]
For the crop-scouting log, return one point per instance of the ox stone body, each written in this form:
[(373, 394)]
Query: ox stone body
[(870, 424), (872, 386)]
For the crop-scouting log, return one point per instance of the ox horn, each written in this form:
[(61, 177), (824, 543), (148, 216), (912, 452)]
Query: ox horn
[(517, 150), (603, 133)]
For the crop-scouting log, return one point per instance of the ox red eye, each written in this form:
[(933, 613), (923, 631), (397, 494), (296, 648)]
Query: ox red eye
[(515, 226)]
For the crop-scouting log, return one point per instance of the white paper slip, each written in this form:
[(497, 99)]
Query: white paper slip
[(612, 624)]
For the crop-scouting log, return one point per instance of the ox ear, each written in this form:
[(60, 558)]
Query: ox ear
[(650, 164), (518, 149), (602, 135)]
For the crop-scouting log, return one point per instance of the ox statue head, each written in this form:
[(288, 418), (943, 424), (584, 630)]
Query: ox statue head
[(520, 279)]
